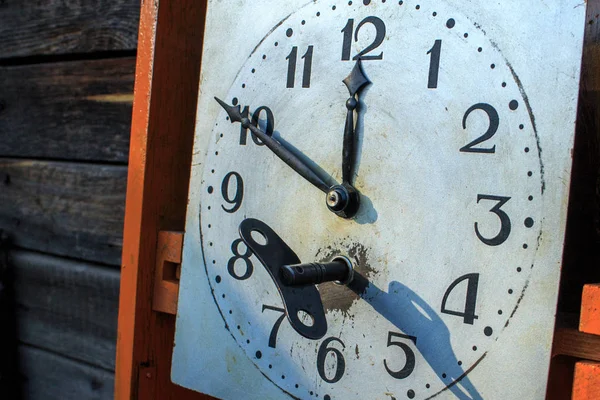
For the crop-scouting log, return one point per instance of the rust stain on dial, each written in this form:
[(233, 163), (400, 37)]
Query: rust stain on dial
[(341, 297)]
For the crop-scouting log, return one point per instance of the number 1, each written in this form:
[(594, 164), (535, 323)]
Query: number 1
[(434, 65)]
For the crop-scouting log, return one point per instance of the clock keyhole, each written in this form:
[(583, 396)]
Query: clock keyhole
[(306, 318), (259, 237)]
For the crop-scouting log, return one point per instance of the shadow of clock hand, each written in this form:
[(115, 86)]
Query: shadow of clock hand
[(414, 317)]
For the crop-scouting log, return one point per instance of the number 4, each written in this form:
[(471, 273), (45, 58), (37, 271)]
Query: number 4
[(468, 314)]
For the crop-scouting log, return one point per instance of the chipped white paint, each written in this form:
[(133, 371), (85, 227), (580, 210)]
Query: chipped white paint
[(415, 234)]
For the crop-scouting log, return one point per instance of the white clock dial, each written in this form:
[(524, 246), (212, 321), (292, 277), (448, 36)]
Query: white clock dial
[(451, 181)]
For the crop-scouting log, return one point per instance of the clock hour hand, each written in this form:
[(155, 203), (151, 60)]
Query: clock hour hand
[(276, 147), (344, 199), (355, 82)]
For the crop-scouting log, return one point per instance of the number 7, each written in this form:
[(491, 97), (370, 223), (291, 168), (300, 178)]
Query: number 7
[(273, 335)]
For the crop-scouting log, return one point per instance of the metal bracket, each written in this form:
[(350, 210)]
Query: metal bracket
[(167, 271)]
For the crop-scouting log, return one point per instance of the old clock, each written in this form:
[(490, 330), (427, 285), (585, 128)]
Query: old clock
[(378, 199)]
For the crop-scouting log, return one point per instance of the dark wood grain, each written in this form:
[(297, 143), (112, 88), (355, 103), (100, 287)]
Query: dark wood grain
[(51, 377), (62, 208), (67, 307), (79, 110), (571, 342), (43, 27)]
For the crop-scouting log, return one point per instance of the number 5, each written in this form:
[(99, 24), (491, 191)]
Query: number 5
[(409, 366)]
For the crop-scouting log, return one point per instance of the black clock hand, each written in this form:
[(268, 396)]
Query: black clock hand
[(355, 81), (276, 147), (294, 281)]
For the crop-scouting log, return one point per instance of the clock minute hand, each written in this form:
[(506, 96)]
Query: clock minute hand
[(355, 81), (276, 147)]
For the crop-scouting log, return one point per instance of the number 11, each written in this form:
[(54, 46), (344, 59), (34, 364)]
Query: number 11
[(292, 59)]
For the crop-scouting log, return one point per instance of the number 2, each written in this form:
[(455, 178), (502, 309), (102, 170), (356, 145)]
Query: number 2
[(493, 128)]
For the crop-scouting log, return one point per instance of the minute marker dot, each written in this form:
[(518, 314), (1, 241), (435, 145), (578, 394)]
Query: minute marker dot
[(528, 222)]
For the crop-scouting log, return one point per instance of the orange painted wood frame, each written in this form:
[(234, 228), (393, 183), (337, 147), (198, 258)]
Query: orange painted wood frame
[(586, 384), (164, 109)]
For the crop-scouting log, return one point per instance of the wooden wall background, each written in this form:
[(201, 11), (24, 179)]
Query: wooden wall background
[(66, 84), (66, 91)]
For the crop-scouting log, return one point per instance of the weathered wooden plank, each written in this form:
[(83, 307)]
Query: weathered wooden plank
[(573, 343), (49, 27), (67, 307), (61, 208), (50, 377), (8, 325), (78, 110)]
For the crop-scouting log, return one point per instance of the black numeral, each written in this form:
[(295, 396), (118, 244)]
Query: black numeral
[(409, 365), (434, 64), (273, 335), (306, 74), (339, 357), (505, 225), (237, 256), (492, 129), (379, 37), (267, 125), (468, 314), (237, 199)]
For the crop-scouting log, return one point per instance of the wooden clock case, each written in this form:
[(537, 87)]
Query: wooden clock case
[(164, 113)]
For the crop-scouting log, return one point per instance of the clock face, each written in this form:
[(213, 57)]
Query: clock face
[(451, 180)]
